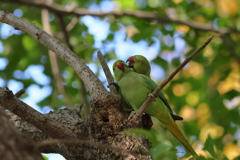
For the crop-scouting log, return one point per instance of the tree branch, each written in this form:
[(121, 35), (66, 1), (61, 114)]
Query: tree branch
[(63, 116), (71, 25), (9, 101), (54, 61), (93, 84), (19, 93), (107, 72), (55, 8), (84, 142), (165, 82), (65, 29), (12, 144)]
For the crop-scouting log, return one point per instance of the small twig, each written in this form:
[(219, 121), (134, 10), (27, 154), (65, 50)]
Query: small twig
[(86, 142), (83, 90), (54, 60), (55, 8), (107, 72), (165, 82), (71, 25), (63, 28), (19, 93)]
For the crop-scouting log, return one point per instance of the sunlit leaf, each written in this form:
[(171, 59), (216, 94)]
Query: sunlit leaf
[(209, 146)]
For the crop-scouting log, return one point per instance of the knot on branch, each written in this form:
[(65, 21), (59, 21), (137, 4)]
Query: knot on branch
[(107, 117)]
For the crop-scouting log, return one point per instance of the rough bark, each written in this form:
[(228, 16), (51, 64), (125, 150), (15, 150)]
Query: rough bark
[(13, 145), (98, 137)]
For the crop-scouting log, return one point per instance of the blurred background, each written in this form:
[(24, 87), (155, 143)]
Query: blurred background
[(206, 93)]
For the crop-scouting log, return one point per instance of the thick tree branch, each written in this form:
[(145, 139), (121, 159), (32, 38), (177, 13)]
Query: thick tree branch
[(9, 101), (87, 147), (107, 72), (168, 79), (55, 8), (12, 144), (83, 142), (64, 116), (93, 84)]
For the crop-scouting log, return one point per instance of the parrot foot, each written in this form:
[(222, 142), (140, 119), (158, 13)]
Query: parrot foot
[(113, 83), (131, 114), (152, 96)]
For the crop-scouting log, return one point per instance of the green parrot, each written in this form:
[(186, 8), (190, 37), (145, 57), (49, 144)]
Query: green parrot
[(135, 89), (141, 65)]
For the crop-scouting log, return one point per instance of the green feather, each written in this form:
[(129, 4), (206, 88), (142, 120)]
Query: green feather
[(135, 89), (141, 65)]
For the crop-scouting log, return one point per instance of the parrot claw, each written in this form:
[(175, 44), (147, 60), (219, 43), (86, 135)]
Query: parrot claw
[(152, 96), (113, 83)]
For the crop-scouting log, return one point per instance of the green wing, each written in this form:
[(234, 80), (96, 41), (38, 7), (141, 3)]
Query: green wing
[(152, 85)]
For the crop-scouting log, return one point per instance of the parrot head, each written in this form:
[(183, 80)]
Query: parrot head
[(120, 68), (139, 64), (131, 61)]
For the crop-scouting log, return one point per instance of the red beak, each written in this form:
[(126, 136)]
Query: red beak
[(120, 66), (131, 61)]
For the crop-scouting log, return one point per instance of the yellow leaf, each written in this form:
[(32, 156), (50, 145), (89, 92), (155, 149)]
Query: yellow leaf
[(194, 69), (203, 113), (192, 98), (177, 1), (188, 113), (227, 7), (214, 130), (231, 151), (131, 31), (213, 79), (182, 28), (200, 19), (181, 89)]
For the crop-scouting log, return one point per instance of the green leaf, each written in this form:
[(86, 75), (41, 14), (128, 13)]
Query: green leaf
[(29, 43), (139, 133), (209, 146), (161, 62), (44, 157), (159, 149)]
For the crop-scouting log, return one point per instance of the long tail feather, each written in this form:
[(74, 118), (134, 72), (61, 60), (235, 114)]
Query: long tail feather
[(176, 132)]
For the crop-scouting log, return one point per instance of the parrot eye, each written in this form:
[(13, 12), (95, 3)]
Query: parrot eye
[(139, 61), (120, 66)]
